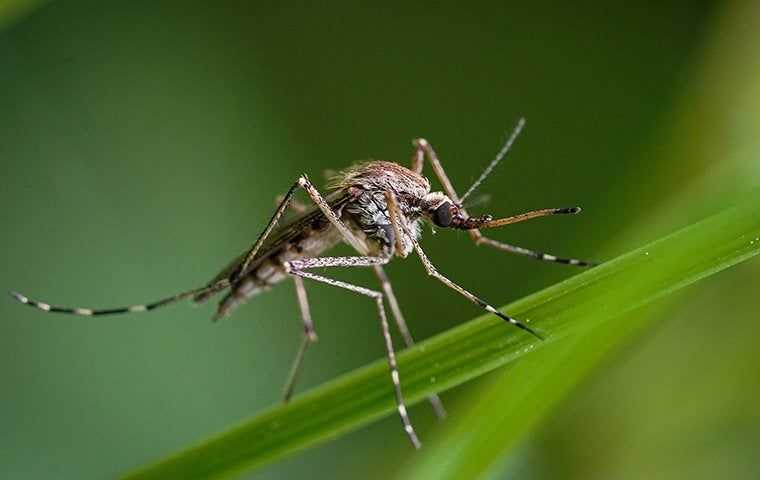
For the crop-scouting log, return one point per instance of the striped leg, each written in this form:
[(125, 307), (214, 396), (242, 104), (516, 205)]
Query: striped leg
[(434, 400), (227, 277), (483, 240), (309, 336), (297, 267), (422, 149), (433, 272), (88, 312)]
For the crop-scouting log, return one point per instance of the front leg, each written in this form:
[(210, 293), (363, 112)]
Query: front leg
[(433, 272)]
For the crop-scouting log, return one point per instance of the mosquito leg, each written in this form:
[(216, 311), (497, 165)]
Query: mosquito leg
[(433, 272), (88, 312), (393, 216), (309, 336), (295, 369), (297, 267), (303, 305), (251, 253), (378, 298), (422, 149), (482, 240), (220, 283), (434, 400), (295, 205)]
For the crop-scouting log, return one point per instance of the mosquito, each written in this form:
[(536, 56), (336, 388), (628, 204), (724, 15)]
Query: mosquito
[(376, 207)]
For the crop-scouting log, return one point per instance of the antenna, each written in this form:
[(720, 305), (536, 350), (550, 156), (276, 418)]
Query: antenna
[(499, 156)]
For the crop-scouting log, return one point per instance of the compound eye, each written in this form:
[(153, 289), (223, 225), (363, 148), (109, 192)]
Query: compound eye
[(442, 215)]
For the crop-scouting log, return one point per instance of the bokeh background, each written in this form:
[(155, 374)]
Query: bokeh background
[(143, 144)]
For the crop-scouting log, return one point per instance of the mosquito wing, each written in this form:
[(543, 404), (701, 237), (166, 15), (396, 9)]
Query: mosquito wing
[(282, 236)]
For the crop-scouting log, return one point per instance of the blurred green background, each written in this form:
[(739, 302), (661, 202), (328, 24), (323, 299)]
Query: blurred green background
[(143, 144)]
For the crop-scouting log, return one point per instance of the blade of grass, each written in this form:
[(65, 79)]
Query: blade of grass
[(476, 347), (477, 442)]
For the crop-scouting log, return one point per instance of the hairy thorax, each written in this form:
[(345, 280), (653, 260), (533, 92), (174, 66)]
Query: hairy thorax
[(368, 184)]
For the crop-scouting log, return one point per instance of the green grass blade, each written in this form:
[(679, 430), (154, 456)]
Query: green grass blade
[(476, 347)]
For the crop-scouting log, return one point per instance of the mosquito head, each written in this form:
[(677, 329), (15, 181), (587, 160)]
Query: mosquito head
[(444, 213), (438, 208)]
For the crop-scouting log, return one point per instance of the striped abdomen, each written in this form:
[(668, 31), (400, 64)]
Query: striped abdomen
[(268, 269)]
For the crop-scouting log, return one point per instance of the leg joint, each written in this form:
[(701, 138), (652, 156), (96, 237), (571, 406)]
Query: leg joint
[(311, 335)]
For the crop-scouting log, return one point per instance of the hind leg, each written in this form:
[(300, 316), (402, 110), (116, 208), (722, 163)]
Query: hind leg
[(385, 282), (309, 336), (298, 267)]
